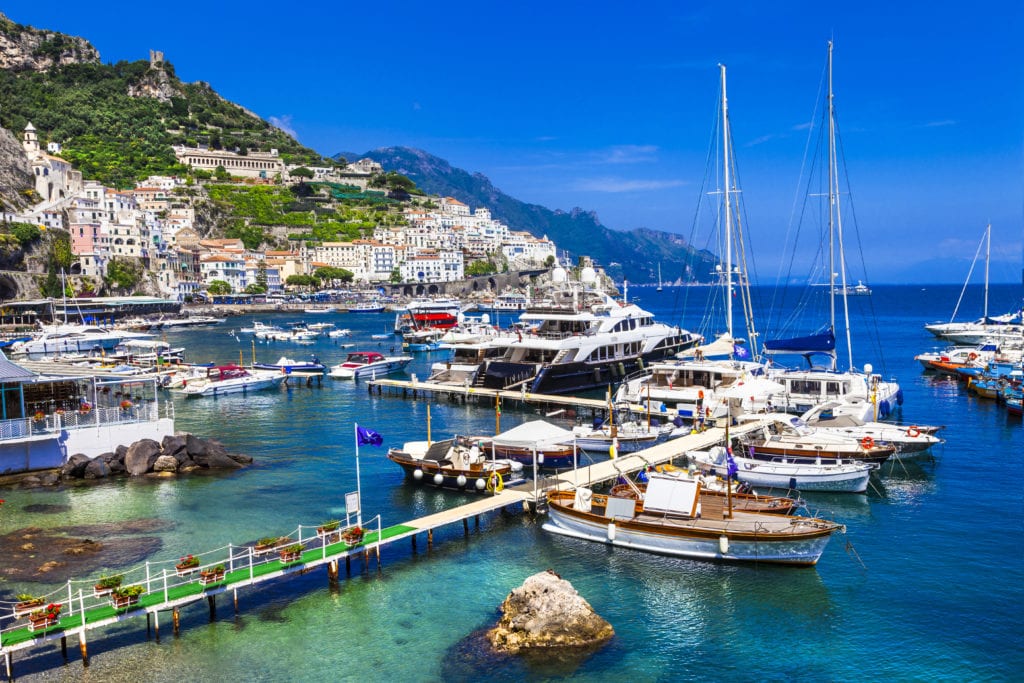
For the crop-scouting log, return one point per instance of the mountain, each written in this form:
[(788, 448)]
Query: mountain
[(117, 122), (632, 255)]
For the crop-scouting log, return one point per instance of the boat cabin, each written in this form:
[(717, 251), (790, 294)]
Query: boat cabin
[(363, 358)]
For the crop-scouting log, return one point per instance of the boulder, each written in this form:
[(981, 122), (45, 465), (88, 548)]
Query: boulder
[(97, 469), (241, 458), (195, 446), (547, 612), (75, 466), (219, 461), (166, 463), (137, 461), (173, 444), (50, 479), (121, 452)]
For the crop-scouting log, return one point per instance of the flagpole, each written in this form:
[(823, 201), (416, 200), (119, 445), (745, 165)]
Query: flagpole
[(359, 489)]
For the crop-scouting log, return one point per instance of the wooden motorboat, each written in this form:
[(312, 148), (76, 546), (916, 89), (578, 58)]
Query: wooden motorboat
[(714, 497), (670, 520), (458, 463)]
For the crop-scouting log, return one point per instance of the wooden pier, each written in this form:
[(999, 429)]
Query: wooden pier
[(463, 392), (167, 590)]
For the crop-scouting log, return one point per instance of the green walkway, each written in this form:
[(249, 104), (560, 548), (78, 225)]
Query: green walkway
[(153, 600)]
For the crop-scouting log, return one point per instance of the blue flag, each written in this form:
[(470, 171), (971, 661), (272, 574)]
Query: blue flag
[(740, 351), (368, 437), (732, 468)]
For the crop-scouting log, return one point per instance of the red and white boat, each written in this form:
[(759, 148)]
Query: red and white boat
[(361, 364)]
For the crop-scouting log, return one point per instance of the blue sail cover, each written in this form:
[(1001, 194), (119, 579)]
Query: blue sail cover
[(820, 342)]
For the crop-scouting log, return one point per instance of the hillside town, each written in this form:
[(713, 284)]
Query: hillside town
[(155, 224)]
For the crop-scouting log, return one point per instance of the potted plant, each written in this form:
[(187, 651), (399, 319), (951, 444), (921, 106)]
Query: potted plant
[(187, 565), (44, 618), (126, 404), (267, 544), (353, 535), (329, 529), (106, 584), (212, 575), (126, 596), (292, 553), (27, 603)]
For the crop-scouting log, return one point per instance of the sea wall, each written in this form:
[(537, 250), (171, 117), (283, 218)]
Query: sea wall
[(51, 451)]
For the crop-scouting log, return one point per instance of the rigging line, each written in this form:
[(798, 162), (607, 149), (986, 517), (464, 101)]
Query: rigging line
[(970, 272), (796, 193), (874, 340)]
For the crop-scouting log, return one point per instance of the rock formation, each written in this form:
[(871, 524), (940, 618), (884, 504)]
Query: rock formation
[(180, 453), (547, 612), (23, 48)]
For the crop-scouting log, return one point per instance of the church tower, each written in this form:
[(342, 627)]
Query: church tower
[(29, 141)]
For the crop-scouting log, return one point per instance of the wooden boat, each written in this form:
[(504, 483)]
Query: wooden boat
[(458, 463), (714, 498), (794, 441), (551, 445), (670, 520)]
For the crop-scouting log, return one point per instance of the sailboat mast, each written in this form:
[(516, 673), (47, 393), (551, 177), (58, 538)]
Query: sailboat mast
[(836, 221), (728, 210), (988, 253)]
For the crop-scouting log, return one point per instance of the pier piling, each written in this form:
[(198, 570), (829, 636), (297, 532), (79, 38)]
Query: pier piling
[(332, 571), (83, 648), (430, 538), (465, 526), (176, 620), (10, 671), (156, 625), (235, 592), (212, 600), (64, 647), (413, 537)]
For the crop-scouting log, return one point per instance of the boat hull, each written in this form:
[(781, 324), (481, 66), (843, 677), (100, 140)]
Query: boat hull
[(235, 387), (682, 543), (370, 371), (432, 473)]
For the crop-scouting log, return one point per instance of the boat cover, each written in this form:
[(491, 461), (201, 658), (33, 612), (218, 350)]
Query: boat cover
[(533, 434), (819, 342)]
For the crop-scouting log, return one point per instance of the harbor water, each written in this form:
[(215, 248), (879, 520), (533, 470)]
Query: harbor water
[(926, 584)]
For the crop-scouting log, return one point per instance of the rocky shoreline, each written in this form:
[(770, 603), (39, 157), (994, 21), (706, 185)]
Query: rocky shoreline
[(177, 454)]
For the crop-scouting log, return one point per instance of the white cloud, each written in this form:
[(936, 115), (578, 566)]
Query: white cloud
[(284, 123), (623, 185), (628, 154), (938, 124)]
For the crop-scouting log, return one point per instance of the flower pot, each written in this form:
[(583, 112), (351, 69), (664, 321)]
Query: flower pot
[(208, 577), (43, 622), (185, 569), (289, 557), (100, 591), (261, 549), (24, 608), (329, 535), (122, 601)]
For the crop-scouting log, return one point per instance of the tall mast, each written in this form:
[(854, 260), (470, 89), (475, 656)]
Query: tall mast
[(728, 210), (988, 252), (835, 219)]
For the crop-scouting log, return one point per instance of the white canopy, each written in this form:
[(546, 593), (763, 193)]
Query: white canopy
[(533, 434)]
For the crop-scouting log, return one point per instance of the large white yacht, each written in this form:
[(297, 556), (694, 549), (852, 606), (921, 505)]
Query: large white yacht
[(582, 339)]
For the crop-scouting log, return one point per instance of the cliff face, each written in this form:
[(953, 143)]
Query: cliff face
[(23, 48), (15, 172)]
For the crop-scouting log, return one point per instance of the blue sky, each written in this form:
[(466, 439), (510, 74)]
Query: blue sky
[(610, 107)]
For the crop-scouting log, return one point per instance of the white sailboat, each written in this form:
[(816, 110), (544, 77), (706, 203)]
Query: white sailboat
[(864, 395)]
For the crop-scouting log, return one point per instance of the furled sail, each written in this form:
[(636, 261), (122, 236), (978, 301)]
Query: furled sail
[(823, 341)]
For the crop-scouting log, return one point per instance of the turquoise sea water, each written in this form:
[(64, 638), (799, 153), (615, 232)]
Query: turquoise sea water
[(938, 596)]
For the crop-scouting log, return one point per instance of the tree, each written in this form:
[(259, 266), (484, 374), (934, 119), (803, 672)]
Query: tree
[(122, 274), (218, 287), (25, 232), (256, 288), (330, 274), (480, 268), (396, 277), (549, 261), (301, 281), (301, 172), (261, 275), (221, 174)]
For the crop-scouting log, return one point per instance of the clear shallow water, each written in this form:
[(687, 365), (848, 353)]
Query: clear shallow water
[(938, 596)]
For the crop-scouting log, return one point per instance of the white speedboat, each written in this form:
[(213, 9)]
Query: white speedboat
[(846, 477), (71, 338), (627, 437), (231, 379), (311, 368), (363, 364), (906, 440)]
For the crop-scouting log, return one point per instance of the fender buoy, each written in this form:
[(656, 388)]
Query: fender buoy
[(913, 432), (972, 355), (495, 484), (867, 443)]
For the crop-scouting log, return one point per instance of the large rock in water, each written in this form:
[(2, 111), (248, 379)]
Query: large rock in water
[(141, 455), (547, 612)]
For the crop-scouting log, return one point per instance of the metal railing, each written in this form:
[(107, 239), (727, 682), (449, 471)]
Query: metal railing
[(145, 411)]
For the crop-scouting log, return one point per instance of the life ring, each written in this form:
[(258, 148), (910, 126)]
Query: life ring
[(972, 356), (495, 484), (84, 409), (913, 432), (867, 443)]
